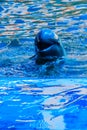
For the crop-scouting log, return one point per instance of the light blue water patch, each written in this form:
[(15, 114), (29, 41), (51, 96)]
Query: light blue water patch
[(83, 17), (63, 22), (1, 9), (33, 8), (2, 27), (19, 21), (3, 44), (72, 29), (46, 104), (81, 6)]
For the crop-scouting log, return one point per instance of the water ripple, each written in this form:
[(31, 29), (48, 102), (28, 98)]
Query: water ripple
[(43, 104), (21, 20)]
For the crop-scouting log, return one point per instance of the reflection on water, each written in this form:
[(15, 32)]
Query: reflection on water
[(21, 20), (43, 105)]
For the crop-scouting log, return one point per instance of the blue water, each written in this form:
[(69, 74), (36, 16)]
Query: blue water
[(48, 104), (43, 97), (19, 23)]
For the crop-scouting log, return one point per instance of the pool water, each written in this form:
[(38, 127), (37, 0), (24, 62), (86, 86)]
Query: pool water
[(19, 23), (43, 97), (48, 104)]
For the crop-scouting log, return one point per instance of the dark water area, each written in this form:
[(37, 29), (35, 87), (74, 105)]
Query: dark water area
[(52, 96), (19, 23)]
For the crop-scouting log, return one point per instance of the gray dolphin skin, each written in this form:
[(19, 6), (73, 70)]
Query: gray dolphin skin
[(47, 47)]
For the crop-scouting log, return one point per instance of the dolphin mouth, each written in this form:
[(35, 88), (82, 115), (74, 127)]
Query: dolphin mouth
[(52, 51)]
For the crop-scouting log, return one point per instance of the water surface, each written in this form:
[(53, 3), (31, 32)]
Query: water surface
[(19, 23), (50, 104), (52, 96)]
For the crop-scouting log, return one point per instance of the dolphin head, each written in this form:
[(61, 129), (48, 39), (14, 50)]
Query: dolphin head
[(47, 46)]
